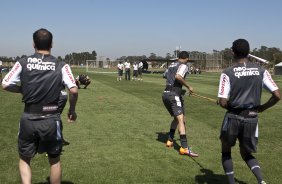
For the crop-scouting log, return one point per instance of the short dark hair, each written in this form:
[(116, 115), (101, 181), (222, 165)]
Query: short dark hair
[(42, 39), (183, 55), (241, 48)]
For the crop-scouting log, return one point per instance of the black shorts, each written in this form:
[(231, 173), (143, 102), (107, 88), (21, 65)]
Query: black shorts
[(120, 72), (39, 134), (140, 71), (244, 129), (173, 103), (135, 73)]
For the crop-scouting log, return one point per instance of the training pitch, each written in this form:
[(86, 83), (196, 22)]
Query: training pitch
[(120, 134)]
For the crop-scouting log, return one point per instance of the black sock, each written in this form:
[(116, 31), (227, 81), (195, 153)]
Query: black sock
[(171, 134), (252, 163), (183, 141), (228, 166)]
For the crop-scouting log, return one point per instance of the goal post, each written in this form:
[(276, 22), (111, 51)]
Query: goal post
[(101, 66)]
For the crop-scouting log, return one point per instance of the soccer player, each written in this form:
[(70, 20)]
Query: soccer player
[(120, 67), (140, 69), (41, 77), (82, 79), (0, 72), (174, 102), (239, 92), (127, 70), (135, 71)]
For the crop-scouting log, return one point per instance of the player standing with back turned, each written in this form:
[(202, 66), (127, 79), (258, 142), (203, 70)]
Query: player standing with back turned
[(41, 78), (239, 92), (174, 103)]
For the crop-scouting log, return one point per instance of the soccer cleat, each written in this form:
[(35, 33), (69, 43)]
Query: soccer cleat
[(187, 151), (169, 143), (262, 182)]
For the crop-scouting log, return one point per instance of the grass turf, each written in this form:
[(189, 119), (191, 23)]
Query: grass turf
[(120, 133)]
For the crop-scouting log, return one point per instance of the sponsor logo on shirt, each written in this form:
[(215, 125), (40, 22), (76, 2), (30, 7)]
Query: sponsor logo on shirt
[(69, 74), (223, 82), (38, 64), (270, 79), (12, 72), (244, 72)]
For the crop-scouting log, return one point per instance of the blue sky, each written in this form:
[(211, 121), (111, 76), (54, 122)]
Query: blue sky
[(115, 28)]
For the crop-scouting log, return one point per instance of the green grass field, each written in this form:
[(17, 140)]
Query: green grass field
[(120, 134)]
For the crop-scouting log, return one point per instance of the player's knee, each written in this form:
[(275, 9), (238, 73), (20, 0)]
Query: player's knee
[(53, 158), (225, 156), (247, 157)]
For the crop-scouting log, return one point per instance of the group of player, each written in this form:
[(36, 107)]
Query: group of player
[(126, 67), (40, 127), (239, 92)]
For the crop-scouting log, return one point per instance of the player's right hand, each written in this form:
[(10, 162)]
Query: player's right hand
[(72, 117)]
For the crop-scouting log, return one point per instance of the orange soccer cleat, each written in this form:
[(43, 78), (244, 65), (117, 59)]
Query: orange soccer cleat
[(187, 151), (169, 143)]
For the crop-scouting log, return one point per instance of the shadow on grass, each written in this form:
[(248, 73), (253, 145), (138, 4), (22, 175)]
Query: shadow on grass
[(209, 177), (163, 136), (48, 182)]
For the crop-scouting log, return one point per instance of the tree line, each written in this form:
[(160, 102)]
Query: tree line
[(272, 54)]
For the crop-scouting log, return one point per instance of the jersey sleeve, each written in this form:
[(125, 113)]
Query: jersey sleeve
[(68, 78), (224, 86), (268, 83), (182, 70), (14, 75)]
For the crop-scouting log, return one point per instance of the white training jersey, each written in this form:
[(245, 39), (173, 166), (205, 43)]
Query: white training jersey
[(135, 67), (127, 65), (120, 66)]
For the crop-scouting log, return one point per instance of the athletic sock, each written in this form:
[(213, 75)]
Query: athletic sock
[(252, 163), (183, 141), (171, 134), (228, 166)]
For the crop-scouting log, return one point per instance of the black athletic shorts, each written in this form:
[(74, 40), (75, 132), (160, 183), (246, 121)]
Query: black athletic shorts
[(244, 129), (140, 71), (120, 72), (39, 134), (173, 103), (135, 73)]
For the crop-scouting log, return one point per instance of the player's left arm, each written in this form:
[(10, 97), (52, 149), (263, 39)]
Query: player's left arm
[(182, 70), (69, 81), (9, 82), (274, 90)]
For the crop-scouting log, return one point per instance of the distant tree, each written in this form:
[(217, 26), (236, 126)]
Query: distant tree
[(60, 58), (168, 56)]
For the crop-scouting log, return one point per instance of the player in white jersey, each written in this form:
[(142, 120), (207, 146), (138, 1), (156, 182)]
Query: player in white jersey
[(135, 71), (140, 70), (127, 70), (120, 68)]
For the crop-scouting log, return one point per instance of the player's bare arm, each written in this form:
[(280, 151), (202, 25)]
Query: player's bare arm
[(223, 103), (12, 88), (183, 82), (73, 96), (271, 102)]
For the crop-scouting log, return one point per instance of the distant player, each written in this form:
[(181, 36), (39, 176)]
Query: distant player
[(0, 72), (135, 71), (140, 69), (82, 79), (120, 68), (239, 92), (127, 70)]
